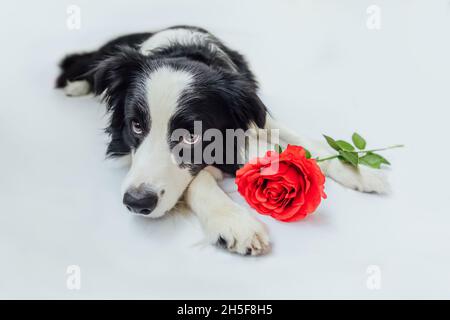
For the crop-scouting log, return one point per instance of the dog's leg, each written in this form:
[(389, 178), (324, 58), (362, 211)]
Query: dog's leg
[(224, 221), (74, 76), (363, 179)]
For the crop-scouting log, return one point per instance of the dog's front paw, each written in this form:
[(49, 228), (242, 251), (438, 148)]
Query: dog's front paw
[(363, 179), (239, 233)]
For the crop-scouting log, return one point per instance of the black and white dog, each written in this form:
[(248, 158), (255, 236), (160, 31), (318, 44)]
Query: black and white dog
[(156, 83)]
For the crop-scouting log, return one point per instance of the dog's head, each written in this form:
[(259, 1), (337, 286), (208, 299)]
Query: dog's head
[(160, 113)]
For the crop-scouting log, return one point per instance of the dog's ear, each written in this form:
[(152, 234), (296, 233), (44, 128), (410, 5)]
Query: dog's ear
[(112, 79), (113, 75)]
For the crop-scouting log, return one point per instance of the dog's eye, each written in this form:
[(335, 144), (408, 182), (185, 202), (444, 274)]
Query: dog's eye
[(191, 138), (136, 127)]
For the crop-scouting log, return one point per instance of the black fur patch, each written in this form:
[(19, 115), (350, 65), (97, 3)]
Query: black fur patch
[(223, 94)]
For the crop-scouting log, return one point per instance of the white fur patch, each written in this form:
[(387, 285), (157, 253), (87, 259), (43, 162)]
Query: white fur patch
[(151, 162), (77, 88), (166, 37), (184, 37), (223, 220), (363, 179)]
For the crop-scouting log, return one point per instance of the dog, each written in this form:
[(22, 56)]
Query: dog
[(154, 84)]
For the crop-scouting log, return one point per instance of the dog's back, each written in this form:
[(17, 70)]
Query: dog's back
[(193, 43)]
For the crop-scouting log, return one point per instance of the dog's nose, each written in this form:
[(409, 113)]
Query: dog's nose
[(142, 202)]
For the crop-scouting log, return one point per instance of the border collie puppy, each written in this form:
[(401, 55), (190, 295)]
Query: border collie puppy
[(156, 83)]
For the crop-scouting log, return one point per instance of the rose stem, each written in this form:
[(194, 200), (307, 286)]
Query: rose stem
[(362, 151)]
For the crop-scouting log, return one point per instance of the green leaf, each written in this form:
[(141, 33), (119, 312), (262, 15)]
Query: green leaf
[(383, 159), (307, 154), (358, 141), (344, 145), (370, 162), (278, 148), (373, 160), (343, 160), (350, 157), (332, 143)]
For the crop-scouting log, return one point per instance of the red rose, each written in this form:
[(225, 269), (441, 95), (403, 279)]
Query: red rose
[(286, 186)]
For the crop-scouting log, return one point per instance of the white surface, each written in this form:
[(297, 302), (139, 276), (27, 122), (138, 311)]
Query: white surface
[(321, 71)]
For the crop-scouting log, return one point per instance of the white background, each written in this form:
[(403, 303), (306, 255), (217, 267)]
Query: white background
[(321, 71)]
